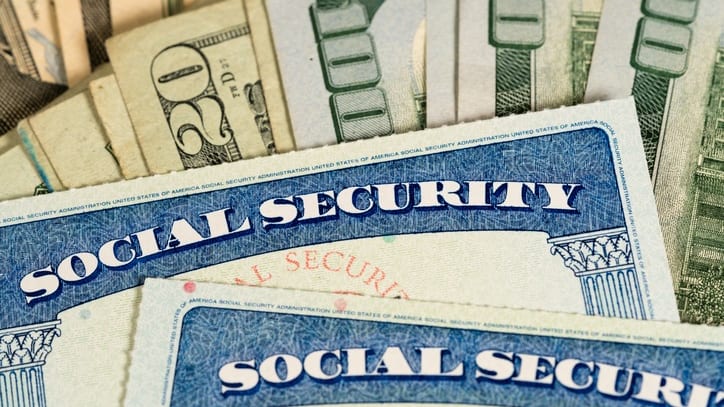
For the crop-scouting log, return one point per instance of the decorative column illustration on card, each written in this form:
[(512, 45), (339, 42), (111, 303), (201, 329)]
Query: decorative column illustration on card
[(23, 351)]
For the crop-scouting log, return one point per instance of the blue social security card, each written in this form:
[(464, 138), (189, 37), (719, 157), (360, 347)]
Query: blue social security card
[(549, 210), (202, 344)]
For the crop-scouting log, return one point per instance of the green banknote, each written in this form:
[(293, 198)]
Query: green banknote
[(585, 15), (516, 56), (25, 180), (350, 69), (193, 90), (83, 26), (441, 61), (23, 94), (670, 56)]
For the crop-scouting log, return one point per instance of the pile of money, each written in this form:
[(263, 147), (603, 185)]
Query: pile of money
[(201, 205)]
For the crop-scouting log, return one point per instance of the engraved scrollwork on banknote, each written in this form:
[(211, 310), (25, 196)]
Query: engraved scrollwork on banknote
[(255, 96), (351, 70), (702, 280), (190, 100)]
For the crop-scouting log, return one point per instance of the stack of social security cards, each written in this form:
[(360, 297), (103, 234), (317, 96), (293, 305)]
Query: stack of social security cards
[(549, 211), (495, 249)]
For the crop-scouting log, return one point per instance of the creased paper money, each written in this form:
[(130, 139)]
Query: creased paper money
[(441, 61), (350, 70), (192, 88), (113, 116), (24, 181), (85, 25), (669, 57), (20, 177), (271, 90), (31, 32), (75, 46), (22, 95), (519, 56), (68, 145)]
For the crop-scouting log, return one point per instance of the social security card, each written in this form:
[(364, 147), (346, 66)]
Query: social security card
[(202, 344), (549, 210)]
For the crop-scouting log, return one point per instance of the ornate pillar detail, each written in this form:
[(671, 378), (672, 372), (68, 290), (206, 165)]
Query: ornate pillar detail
[(603, 262), (22, 355)]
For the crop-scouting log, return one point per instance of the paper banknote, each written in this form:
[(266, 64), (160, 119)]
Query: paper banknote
[(670, 57), (350, 69), (14, 160), (113, 116), (552, 211), (26, 182), (128, 14), (69, 153), (271, 86), (519, 56), (193, 90), (441, 22), (200, 344), (30, 30), (85, 25), (22, 94)]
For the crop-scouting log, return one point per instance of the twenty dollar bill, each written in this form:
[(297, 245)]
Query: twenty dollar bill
[(192, 89), (520, 56), (350, 69)]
